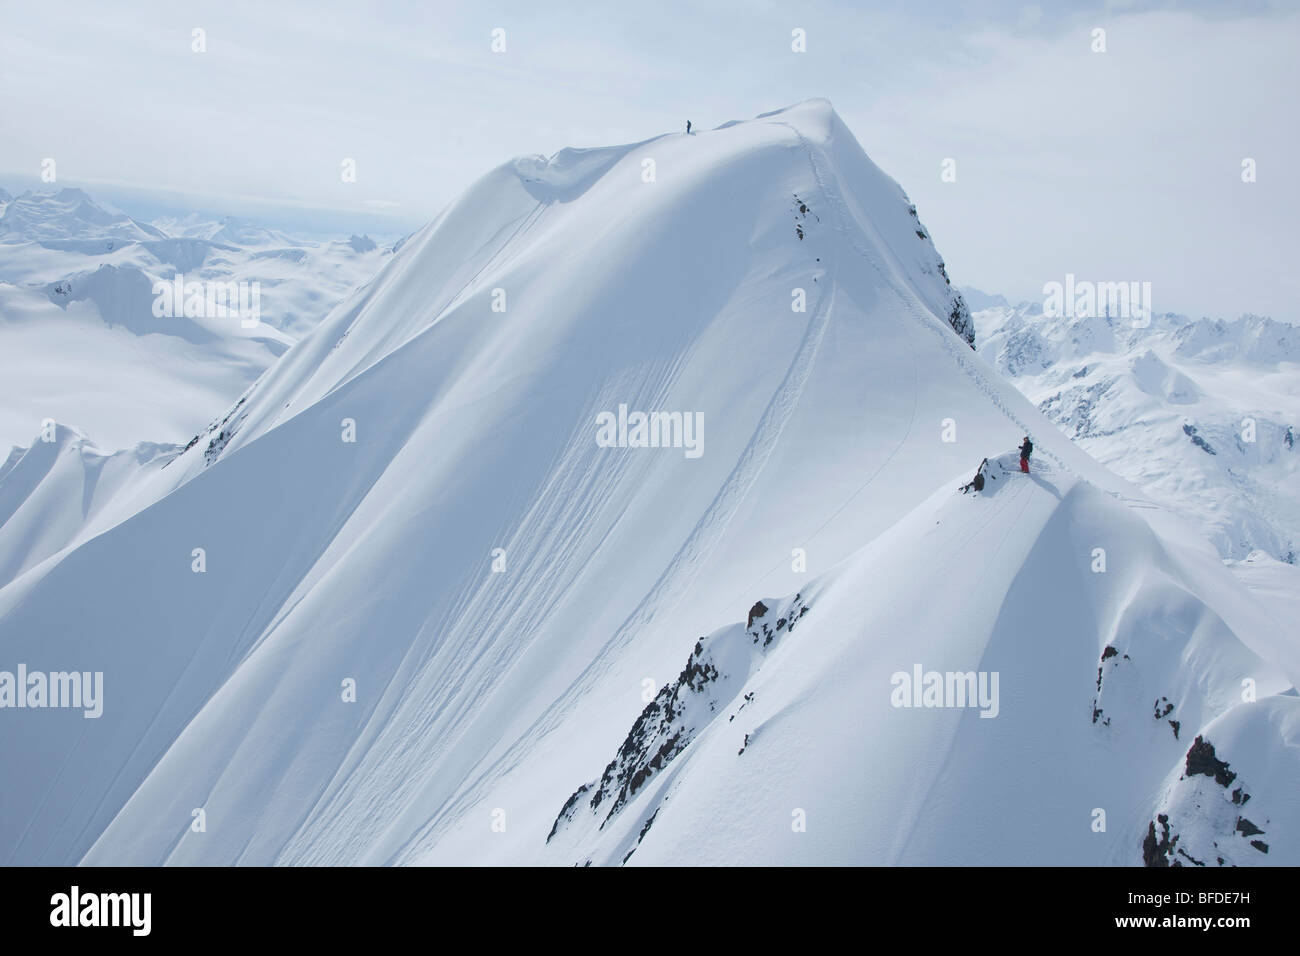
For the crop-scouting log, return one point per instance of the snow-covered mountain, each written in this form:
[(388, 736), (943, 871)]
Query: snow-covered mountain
[(81, 344), (1203, 415), (62, 214), (615, 522), (227, 229)]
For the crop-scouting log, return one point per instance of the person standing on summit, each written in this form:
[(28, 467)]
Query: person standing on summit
[(1026, 450), (688, 127)]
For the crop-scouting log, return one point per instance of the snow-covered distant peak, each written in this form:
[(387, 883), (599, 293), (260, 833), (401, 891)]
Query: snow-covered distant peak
[(1250, 338), (977, 300), (1022, 337), (67, 214), (230, 230)]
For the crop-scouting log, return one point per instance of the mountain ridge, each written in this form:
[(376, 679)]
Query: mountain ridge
[(432, 602)]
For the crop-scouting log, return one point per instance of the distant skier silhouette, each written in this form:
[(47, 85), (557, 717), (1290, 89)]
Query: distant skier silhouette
[(1026, 450), (688, 127)]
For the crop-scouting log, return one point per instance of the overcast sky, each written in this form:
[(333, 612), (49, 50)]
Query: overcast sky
[(1122, 165)]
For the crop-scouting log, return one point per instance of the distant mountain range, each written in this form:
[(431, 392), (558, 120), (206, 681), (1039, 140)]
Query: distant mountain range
[(80, 342), (1202, 414)]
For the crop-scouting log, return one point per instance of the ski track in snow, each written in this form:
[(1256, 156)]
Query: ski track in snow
[(526, 223), (713, 523), (468, 646), (575, 506), (674, 580)]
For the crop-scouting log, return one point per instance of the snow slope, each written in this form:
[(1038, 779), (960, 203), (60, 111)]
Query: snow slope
[(416, 646), (1201, 414), (819, 731)]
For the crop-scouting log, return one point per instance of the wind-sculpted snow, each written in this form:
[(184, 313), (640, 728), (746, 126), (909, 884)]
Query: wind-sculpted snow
[(568, 174)]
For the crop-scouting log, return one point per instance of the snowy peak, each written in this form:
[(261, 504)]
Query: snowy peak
[(68, 214), (783, 189), (240, 232), (1250, 338)]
